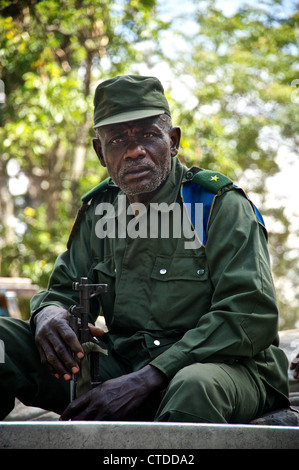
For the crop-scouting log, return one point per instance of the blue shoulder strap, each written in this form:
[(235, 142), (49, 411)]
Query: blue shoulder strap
[(193, 193)]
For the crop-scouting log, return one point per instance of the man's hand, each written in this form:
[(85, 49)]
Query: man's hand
[(117, 398), (295, 366), (57, 342)]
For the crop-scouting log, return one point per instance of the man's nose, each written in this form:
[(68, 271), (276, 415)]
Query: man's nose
[(134, 150)]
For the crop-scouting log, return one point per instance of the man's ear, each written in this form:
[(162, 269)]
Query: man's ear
[(98, 150), (175, 137)]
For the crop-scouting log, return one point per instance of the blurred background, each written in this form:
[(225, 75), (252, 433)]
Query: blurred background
[(230, 72)]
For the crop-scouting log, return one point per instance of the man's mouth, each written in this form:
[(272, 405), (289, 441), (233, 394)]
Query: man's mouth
[(137, 171)]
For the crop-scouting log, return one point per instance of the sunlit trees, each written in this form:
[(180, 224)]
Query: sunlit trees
[(52, 53)]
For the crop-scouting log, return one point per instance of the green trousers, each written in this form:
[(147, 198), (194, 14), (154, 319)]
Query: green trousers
[(202, 393)]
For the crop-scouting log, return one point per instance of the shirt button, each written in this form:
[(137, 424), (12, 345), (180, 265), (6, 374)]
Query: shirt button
[(163, 271), (189, 175), (157, 342), (200, 272)]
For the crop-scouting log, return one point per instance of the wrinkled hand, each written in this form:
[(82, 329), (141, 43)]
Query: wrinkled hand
[(295, 366), (57, 342), (117, 398)]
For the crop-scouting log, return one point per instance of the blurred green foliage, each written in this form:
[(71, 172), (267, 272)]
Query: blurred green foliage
[(52, 55)]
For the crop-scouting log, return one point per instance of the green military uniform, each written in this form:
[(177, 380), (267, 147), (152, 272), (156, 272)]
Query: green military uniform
[(200, 312)]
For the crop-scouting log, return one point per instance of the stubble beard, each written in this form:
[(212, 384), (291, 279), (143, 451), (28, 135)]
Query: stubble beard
[(159, 176)]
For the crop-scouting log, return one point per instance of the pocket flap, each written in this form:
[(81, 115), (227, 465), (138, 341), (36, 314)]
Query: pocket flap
[(175, 268)]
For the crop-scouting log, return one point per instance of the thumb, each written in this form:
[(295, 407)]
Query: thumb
[(96, 331)]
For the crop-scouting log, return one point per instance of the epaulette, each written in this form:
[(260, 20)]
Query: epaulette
[(97, 189), (211, 180), (203, 187)]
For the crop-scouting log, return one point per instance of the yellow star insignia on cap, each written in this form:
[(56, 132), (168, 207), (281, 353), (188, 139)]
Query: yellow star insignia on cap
[(214, 178)]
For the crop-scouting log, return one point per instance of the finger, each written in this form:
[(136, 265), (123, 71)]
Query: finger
[(294, 363), (95, 331), (75, 409), (67, 345), (58, 359), (71, 340), (44, 361), (57, 332), (296, 372)]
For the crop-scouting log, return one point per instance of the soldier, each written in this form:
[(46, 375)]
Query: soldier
[(192, 327)]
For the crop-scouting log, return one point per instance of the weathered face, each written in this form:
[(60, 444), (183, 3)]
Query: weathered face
[(138, 154)]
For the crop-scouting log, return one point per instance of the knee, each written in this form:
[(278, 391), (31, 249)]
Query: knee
[(191, 397), (194, 377)]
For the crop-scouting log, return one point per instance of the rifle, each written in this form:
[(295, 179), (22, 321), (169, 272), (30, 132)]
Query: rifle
[(79, 323)]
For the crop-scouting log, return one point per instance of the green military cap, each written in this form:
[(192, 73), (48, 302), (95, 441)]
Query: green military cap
[(127, 98)]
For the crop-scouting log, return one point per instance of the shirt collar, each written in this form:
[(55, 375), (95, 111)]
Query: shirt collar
[(170, 189)]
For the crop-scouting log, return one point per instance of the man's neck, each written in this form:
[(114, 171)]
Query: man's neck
[(145, 198)]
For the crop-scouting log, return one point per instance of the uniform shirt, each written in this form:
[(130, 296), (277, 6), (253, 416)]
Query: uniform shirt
[(171, 306)]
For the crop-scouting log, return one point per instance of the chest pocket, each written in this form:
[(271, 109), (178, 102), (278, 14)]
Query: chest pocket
[(181, 291), (179, 267)]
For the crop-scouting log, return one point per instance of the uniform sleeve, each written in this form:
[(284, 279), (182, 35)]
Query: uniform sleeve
[(243, 317), (70, 266)]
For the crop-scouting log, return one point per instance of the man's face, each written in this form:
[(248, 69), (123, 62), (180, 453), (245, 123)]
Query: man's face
[(138, 154)]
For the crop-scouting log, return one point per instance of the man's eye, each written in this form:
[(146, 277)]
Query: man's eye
[(148, 135), (117, 140)]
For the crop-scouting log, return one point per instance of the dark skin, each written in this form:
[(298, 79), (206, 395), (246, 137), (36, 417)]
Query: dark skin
[(295, 367), (138, 156)]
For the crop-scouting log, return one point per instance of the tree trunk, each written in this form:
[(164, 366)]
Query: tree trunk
[(8, 234)]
